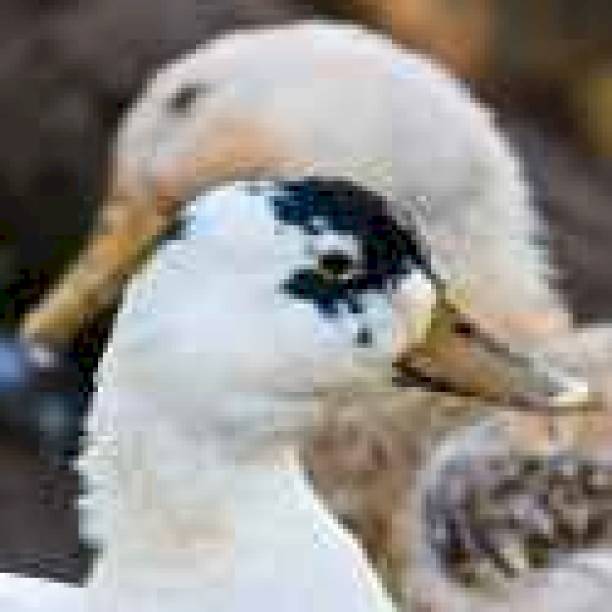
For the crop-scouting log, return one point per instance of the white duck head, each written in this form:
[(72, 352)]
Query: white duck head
[(277, 291)]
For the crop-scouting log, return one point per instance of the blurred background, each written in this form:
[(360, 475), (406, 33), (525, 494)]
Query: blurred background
[(68, 68)]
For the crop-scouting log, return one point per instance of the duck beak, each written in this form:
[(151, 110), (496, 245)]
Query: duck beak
[(455, 355)]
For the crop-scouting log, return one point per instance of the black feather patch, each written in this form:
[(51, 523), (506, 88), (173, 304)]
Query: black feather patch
[(387, 251)]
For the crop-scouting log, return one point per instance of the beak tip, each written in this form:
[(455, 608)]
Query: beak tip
[(577, 394)]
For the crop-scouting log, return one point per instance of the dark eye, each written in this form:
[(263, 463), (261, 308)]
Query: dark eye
[(327, 284), (182, 100), (335, 265)]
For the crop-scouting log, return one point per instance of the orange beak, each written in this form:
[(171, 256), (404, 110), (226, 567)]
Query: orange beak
[(456, 356)]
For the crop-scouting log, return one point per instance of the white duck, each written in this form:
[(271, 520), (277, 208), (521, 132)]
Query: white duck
[(235, 333)]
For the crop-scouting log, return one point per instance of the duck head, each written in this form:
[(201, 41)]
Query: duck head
[(282, 290)]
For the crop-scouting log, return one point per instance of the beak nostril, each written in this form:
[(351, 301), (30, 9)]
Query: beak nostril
[(364, 337), (462, 327)]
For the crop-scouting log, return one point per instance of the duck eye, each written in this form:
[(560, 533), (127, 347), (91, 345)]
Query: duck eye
[(184, 98), (335, 265)]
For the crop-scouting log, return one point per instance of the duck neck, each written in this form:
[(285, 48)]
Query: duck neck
[(162, 496)]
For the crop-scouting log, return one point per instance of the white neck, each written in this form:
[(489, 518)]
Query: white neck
[(158, 470), (205, 521)]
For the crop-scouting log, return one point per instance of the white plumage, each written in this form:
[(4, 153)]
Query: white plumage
[(203, 396)]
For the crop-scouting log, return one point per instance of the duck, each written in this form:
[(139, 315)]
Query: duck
[(324, 188)]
